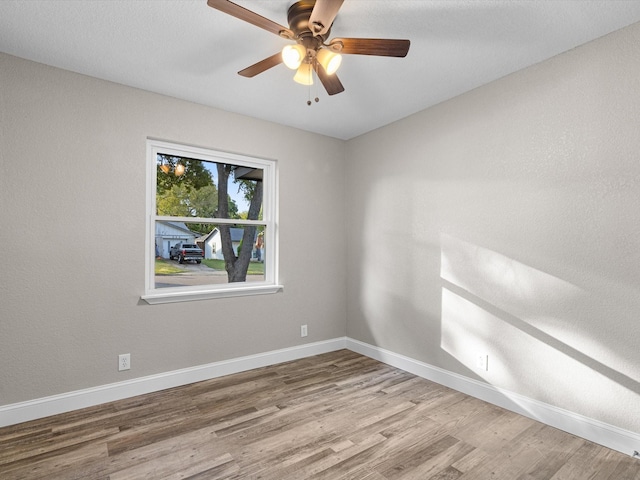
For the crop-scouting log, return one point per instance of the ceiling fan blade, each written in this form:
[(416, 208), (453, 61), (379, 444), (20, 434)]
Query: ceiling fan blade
[(323, 14), (331, 83), (251, 17), (371, 46), (261, 66)]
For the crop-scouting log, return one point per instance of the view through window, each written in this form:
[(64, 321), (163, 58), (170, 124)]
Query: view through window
[(212, 220)]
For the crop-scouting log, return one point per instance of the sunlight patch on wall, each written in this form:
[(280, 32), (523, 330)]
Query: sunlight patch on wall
[(530, 323)]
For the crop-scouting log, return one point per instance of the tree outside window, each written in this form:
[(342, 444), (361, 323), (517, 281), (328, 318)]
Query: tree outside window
[(212, 224)]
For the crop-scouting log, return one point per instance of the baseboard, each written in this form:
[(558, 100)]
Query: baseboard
[(598, 432), (53, 405), (616, 438)]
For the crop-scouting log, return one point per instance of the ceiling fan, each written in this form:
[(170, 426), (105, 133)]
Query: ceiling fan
[(310, 24)]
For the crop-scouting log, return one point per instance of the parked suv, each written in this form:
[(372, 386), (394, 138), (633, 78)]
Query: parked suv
[(186, 251)]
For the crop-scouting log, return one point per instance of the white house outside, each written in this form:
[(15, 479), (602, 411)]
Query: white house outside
[(170, 233), (212, 243)]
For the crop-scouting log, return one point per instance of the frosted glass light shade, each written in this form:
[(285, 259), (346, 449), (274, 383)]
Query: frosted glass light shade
[(329, 60), (179, 170), (304, 74), (292, 55)]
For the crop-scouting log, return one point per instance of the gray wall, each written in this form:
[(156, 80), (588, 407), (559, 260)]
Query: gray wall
[(72, 196), (503, 222), (507, 222)]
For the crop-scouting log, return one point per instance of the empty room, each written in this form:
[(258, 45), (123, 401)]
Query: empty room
[(320, 239)]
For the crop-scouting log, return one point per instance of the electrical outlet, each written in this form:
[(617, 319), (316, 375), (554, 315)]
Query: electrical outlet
[(303, 331), (124, 362), (482, 362)]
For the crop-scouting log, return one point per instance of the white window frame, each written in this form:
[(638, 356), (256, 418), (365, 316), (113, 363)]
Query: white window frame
[(270, 284)]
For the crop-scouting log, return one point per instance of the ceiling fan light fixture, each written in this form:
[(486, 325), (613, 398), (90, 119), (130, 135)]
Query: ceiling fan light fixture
[(293, 55), (310, 23), (304, 74), (329, 60)]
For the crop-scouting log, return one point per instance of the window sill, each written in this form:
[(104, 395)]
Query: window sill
[(189, 296)]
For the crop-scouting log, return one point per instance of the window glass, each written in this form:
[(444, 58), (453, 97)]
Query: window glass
[(212, 223), (180, 264), (187, 187)]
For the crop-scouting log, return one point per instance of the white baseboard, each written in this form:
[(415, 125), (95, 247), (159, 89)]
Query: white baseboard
[(616, 438), (66, 402), (598, 432)]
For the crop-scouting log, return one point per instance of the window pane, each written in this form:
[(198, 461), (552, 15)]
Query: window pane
[(187, 187), (189, 254), (204, 206)]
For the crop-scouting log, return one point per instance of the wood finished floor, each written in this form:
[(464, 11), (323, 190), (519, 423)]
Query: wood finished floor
[(338, 416)]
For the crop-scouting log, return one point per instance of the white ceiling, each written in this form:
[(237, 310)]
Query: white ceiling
[(185, 49)]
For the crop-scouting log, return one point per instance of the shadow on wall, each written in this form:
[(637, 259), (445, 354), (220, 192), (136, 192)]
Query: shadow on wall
[(540, 332)]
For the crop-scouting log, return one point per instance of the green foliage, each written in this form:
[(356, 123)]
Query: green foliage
[(180, 201), (204, 201), (232, 208), (248, 188), (195, 174), (173, 201)]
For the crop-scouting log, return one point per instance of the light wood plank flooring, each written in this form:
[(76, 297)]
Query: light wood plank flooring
[(338, 416)]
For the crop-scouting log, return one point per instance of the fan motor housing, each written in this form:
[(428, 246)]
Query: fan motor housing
[(298, 17)]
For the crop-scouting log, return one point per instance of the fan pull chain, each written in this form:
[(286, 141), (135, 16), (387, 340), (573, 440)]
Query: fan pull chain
[(316, 90)]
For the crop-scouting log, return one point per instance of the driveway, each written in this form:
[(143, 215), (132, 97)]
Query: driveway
[(197, 274)]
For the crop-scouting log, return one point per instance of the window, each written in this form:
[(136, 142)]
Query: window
[(211, 224)]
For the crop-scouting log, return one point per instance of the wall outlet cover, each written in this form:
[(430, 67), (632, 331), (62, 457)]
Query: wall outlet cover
[(124, 362)]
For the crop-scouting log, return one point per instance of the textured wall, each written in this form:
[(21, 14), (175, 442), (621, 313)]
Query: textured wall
[(72, 191), (507, 222)]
